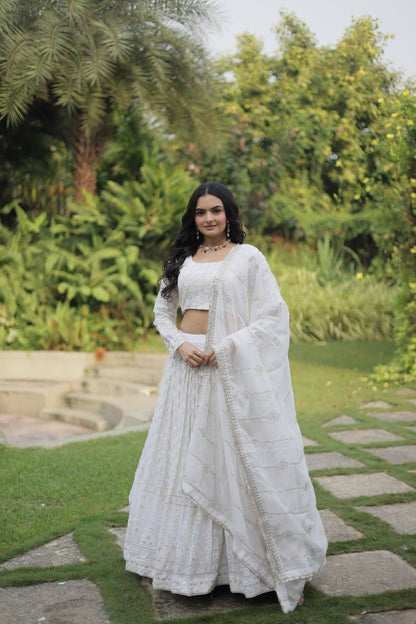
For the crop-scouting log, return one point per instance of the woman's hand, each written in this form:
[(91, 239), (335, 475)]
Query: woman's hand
[(191, 355), (211, 359)]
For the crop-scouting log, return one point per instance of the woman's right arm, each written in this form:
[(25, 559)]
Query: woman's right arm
[(165, 321)]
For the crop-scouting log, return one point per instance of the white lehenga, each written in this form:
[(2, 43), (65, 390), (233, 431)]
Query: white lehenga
[(206, 508), (169, 538)]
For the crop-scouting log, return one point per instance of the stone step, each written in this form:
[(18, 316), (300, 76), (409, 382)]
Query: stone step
[(138, 360), (108, 407), (113, 387), (28, 397), (114, 409), (142, 417), (89, 420), (128, 374)]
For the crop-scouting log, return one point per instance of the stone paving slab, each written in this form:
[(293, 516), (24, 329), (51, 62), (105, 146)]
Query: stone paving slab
[(309, 442), (412, 401), (359, 574), (365, 436), (401, 516), (125, 509), (344, 419), (411, 429), (405, 391), (333, 459), (25, 431), (395, 454), (120, 533), (375, 405), (388, 617), (69, 602), (170, 606), (336, 529), (403, 416), (350, 486), (61, 551)]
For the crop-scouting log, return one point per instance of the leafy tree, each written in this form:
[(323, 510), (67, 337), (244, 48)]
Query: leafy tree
[(395, 232), (89, 57), (304, 125)]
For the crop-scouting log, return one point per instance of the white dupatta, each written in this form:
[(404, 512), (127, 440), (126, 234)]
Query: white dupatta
[(245, 465)]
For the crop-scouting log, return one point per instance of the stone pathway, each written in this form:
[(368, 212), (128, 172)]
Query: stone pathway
[(396, 454), (392, 617), (365, 436), (355, 572), (344, 419), (369, 484), (67, 602), (25, 431), (61, 551), (403, 416), (319, 461), (401, 516), (360, 574), (309, 442), (375, 404)]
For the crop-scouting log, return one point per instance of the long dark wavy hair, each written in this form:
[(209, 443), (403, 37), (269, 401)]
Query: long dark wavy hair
[(186, 243)]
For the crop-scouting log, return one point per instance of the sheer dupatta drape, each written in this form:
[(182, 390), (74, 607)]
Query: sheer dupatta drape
[(245, 465)]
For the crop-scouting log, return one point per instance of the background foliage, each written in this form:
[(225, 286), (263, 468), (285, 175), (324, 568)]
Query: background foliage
[(317, 143), (90, 279)]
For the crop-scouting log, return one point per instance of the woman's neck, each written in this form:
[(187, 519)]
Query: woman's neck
[(214, 241)]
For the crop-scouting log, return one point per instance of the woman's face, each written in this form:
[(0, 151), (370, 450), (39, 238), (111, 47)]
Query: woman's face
[(210, 216)]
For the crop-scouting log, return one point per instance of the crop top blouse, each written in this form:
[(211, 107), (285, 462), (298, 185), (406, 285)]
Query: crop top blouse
[(192, 292)]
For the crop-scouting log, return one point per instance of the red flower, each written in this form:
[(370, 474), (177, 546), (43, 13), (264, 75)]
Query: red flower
[(99, 353)]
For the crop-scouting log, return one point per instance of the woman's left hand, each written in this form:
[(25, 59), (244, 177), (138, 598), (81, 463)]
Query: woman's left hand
[(211, 359)]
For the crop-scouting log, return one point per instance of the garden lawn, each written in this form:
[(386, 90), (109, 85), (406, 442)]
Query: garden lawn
[(78, 487)]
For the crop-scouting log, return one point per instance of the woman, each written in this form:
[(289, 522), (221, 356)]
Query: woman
[(222, 494)]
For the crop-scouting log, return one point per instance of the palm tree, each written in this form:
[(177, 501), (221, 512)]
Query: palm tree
[(88, 57)]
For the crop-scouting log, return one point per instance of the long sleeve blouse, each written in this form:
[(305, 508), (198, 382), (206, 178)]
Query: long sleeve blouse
[(165, 311)]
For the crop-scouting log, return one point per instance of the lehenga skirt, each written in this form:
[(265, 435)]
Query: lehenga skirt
[(169, 538)]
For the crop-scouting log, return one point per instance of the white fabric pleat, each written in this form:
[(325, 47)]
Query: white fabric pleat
[(169, 538)]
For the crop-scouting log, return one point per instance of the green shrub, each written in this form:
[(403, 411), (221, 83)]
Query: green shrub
[(90, 279), (328, 300)]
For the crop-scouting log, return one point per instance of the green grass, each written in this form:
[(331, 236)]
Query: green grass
[(78, 487)]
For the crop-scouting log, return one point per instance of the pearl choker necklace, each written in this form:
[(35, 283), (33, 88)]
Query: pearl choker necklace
[(204, 249)]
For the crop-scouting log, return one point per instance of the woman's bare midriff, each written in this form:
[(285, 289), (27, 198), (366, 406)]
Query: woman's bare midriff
[(195, 321)]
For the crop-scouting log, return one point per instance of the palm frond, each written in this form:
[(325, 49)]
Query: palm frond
[(78, 10), (8, 14), (91, 55), (113, 37), (66, 88), (15, 102), (16, 46), (94, 109), (97, 67)]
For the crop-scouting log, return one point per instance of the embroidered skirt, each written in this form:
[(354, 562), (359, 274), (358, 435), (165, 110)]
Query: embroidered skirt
[(169, 538)]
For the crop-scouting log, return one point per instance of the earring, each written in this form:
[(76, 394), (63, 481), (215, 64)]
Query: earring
[(197, 234), (228, 230)]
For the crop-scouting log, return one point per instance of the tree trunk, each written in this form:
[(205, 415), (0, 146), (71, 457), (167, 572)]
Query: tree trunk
[(86, 150)]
